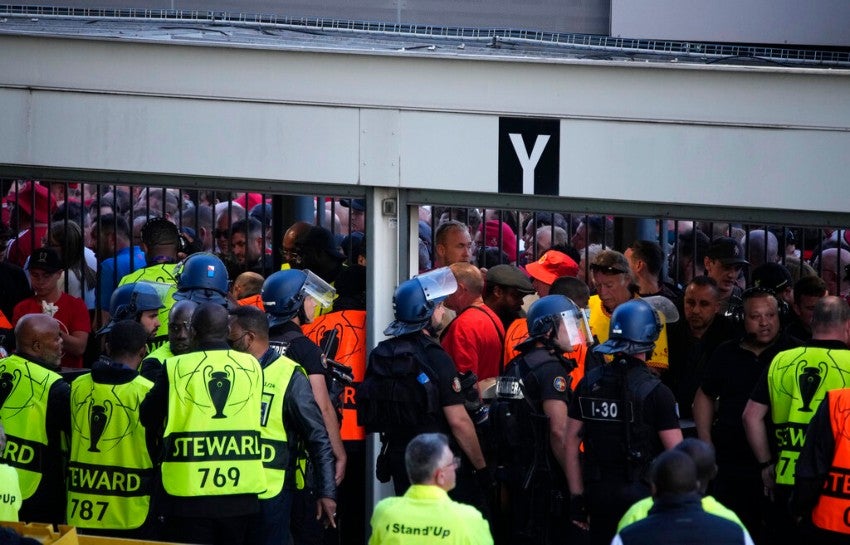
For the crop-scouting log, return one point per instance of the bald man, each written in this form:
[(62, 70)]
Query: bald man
[(832, 263), (292, 241), (179, 321), (246, 289), (34, 404)]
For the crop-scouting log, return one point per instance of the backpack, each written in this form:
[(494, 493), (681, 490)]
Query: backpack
[(398, 392)]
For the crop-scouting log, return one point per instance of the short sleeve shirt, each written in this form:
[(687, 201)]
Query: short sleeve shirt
[(72, 314)]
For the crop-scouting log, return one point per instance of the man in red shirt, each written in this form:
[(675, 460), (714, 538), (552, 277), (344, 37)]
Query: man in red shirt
[(45, 270), (474, 339)]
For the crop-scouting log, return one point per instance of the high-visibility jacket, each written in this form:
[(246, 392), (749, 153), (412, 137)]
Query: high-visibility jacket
[(212, 433), (798, 380), (24, 390), (163, 278), (832, 511), (110, 470), (349, 349), (600, 324), (253, 301), (518, 332), (426, 515), (273, 434)]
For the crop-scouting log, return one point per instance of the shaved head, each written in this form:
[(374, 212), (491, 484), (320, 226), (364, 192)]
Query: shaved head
[(39, 336), (210, 323)]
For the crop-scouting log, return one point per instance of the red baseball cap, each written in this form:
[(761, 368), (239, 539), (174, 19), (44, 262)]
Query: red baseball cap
[(551, 266)]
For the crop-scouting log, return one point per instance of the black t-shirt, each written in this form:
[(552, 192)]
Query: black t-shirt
[(301, 349), (731, 374), (689, 357)]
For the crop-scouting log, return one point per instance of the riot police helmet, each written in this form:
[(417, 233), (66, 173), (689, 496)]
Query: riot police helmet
[(128, 301), (284, 293), (635, 326), (414, 300), (202, 278), (557, 320)]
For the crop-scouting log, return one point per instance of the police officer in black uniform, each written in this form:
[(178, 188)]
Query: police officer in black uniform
[(290, 298), (528, 420), (414, 303), (625, 417)]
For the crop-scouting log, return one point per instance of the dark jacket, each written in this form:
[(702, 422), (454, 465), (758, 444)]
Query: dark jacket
[(303, 420), (680, 519)]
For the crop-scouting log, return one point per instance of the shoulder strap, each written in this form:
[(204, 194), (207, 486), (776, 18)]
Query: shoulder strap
[(495, 325)]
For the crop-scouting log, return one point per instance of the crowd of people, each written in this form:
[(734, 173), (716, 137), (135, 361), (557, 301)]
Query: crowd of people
[(170, 377)]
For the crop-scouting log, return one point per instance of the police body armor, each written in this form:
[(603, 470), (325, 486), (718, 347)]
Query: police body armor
[(24, 391), (519, 427), (110, 470), (619, 444), (273, 435), (212, 438)]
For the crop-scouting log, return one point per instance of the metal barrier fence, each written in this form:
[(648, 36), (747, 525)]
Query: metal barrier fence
[(80, 221)]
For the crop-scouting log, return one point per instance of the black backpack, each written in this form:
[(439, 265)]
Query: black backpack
[(398, 390)]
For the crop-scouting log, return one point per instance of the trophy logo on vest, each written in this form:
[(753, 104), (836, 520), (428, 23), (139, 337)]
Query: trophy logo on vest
[(219, 384), (99, 417), (8, 382), (809, 379)]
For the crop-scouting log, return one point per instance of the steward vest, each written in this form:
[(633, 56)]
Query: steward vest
[(349, 349), (798, 380), (518, 332), (273, 435), (212, 434), (110, 470), (618, 440), (24, 391), (600, 325), (151, 366), (4, 322), (163, 278), (832, 511)]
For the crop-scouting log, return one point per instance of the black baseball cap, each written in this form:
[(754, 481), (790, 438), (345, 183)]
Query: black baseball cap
[(45, 259), (727, 251)]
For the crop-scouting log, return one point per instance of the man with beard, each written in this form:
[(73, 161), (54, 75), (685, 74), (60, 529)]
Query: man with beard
[(504, 289), (731, 374)]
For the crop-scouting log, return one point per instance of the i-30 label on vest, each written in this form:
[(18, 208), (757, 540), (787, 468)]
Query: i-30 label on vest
[(610, 410)]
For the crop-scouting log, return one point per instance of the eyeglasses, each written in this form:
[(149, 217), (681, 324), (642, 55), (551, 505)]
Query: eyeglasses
[(455, 463), (289, 255), (221, 233)]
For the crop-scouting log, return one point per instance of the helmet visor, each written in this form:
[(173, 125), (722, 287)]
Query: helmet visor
[(437, 284), (665, 308), (573, 330), (319, 290)]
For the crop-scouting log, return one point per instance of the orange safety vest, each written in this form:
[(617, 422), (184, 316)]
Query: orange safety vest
[(253, 301), (4, 322), (350, 350), (518, 332), (832, 511)]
